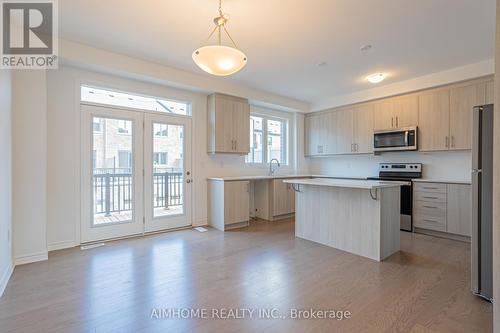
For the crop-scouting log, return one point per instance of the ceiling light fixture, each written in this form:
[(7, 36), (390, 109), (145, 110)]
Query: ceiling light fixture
[(376, 78), (219, 59)]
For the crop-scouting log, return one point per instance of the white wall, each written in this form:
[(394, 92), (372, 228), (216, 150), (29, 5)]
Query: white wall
[(29, 137), (6, 263), (437, 165), (64, 148)]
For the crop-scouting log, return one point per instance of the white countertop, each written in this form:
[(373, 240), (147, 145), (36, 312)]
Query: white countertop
[(349, 183), (264, 177), (444, 181)]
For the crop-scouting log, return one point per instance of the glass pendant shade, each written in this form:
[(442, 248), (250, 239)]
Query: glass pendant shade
[(219, 60)]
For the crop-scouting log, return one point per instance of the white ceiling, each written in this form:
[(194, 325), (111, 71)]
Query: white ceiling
[(285, 40)]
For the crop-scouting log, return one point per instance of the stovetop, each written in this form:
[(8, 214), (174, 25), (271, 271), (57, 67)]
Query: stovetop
[(398, 171)]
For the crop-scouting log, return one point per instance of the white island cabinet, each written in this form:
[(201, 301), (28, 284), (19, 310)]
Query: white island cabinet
[(356, 216)]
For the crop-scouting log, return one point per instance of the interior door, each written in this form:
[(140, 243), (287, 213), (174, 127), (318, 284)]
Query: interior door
[(112, 183), (167, 172)]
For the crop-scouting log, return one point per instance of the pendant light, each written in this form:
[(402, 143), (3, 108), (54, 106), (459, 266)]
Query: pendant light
[(218, 59)]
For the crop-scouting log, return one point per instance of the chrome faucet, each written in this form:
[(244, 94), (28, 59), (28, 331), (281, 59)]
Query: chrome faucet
[(271, 169)]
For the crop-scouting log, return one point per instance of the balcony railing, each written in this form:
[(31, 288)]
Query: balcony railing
[(113, 189)]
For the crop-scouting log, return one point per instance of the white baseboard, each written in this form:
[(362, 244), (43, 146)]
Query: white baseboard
[(4, 279), (62, 245), (26, 259)]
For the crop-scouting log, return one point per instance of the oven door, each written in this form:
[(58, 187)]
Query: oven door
[(393, 140)]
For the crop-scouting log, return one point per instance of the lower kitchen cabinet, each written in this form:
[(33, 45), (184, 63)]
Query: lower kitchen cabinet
[(443, 207), (228, 204), (283, 198)]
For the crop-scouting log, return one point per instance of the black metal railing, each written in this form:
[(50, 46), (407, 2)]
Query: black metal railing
[(113, 190)]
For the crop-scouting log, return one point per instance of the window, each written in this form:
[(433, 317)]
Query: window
[(124, 159), (268, 140), (108, 97), (256, 154), (124, 126), (161, 129), (97, 124), (160, 158)]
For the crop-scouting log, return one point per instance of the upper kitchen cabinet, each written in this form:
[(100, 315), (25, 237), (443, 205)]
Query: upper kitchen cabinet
[(363, 129), (396, 112), (228, 125), (344, 131), (434, 120), (320, 134), (463, 98)]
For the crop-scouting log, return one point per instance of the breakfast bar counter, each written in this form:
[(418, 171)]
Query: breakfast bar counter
[(357, 216)]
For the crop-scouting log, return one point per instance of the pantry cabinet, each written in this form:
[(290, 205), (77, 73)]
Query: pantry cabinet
[(228, 125)]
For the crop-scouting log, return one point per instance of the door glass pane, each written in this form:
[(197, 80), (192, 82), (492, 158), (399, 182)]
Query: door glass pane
[(112, 181), (168, 169)]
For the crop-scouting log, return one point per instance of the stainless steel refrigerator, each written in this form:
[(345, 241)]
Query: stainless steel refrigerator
[(482, 203)]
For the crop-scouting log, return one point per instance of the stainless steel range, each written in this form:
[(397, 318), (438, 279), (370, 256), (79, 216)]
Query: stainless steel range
[(402, 172)]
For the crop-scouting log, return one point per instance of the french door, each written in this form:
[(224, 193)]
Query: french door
[(135, 172)]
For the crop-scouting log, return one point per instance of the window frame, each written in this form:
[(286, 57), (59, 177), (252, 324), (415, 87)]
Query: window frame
[(265, 138)]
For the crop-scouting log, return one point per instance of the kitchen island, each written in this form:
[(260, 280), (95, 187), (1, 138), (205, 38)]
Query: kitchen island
[(356, 216)]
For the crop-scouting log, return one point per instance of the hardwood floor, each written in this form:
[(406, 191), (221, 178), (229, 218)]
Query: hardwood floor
[(423, 288)]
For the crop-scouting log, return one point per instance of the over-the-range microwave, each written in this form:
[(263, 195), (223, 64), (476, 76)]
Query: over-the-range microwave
[(405, 138)]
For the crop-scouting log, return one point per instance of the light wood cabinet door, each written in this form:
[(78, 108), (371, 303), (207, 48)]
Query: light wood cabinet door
[(228, 125), (241, 127), (344, 131), (490, 92), (459, 209), (329, 120), (312, 135), (462, 101), (396, 112), (384, 115), (434, 120), (363, 129), (236, 202), (223, 125), (308, 136), (283, 198), (405, 111)]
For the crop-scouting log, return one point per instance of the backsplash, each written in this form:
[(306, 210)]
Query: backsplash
[(449, 165)]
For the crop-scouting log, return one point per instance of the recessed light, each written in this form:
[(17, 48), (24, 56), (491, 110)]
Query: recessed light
[(366, 48), (376, 78)]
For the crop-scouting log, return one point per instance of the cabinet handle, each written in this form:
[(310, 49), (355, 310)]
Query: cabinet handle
[(235, 144), (397, 121), (452, 141), (447, 142), (430, 188), (430, 207), (392, 122), (432, 221), (430, 197), (356, 147)]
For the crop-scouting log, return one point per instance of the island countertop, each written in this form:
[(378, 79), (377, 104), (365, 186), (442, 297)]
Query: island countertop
[(348, 183), (267, 177)]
